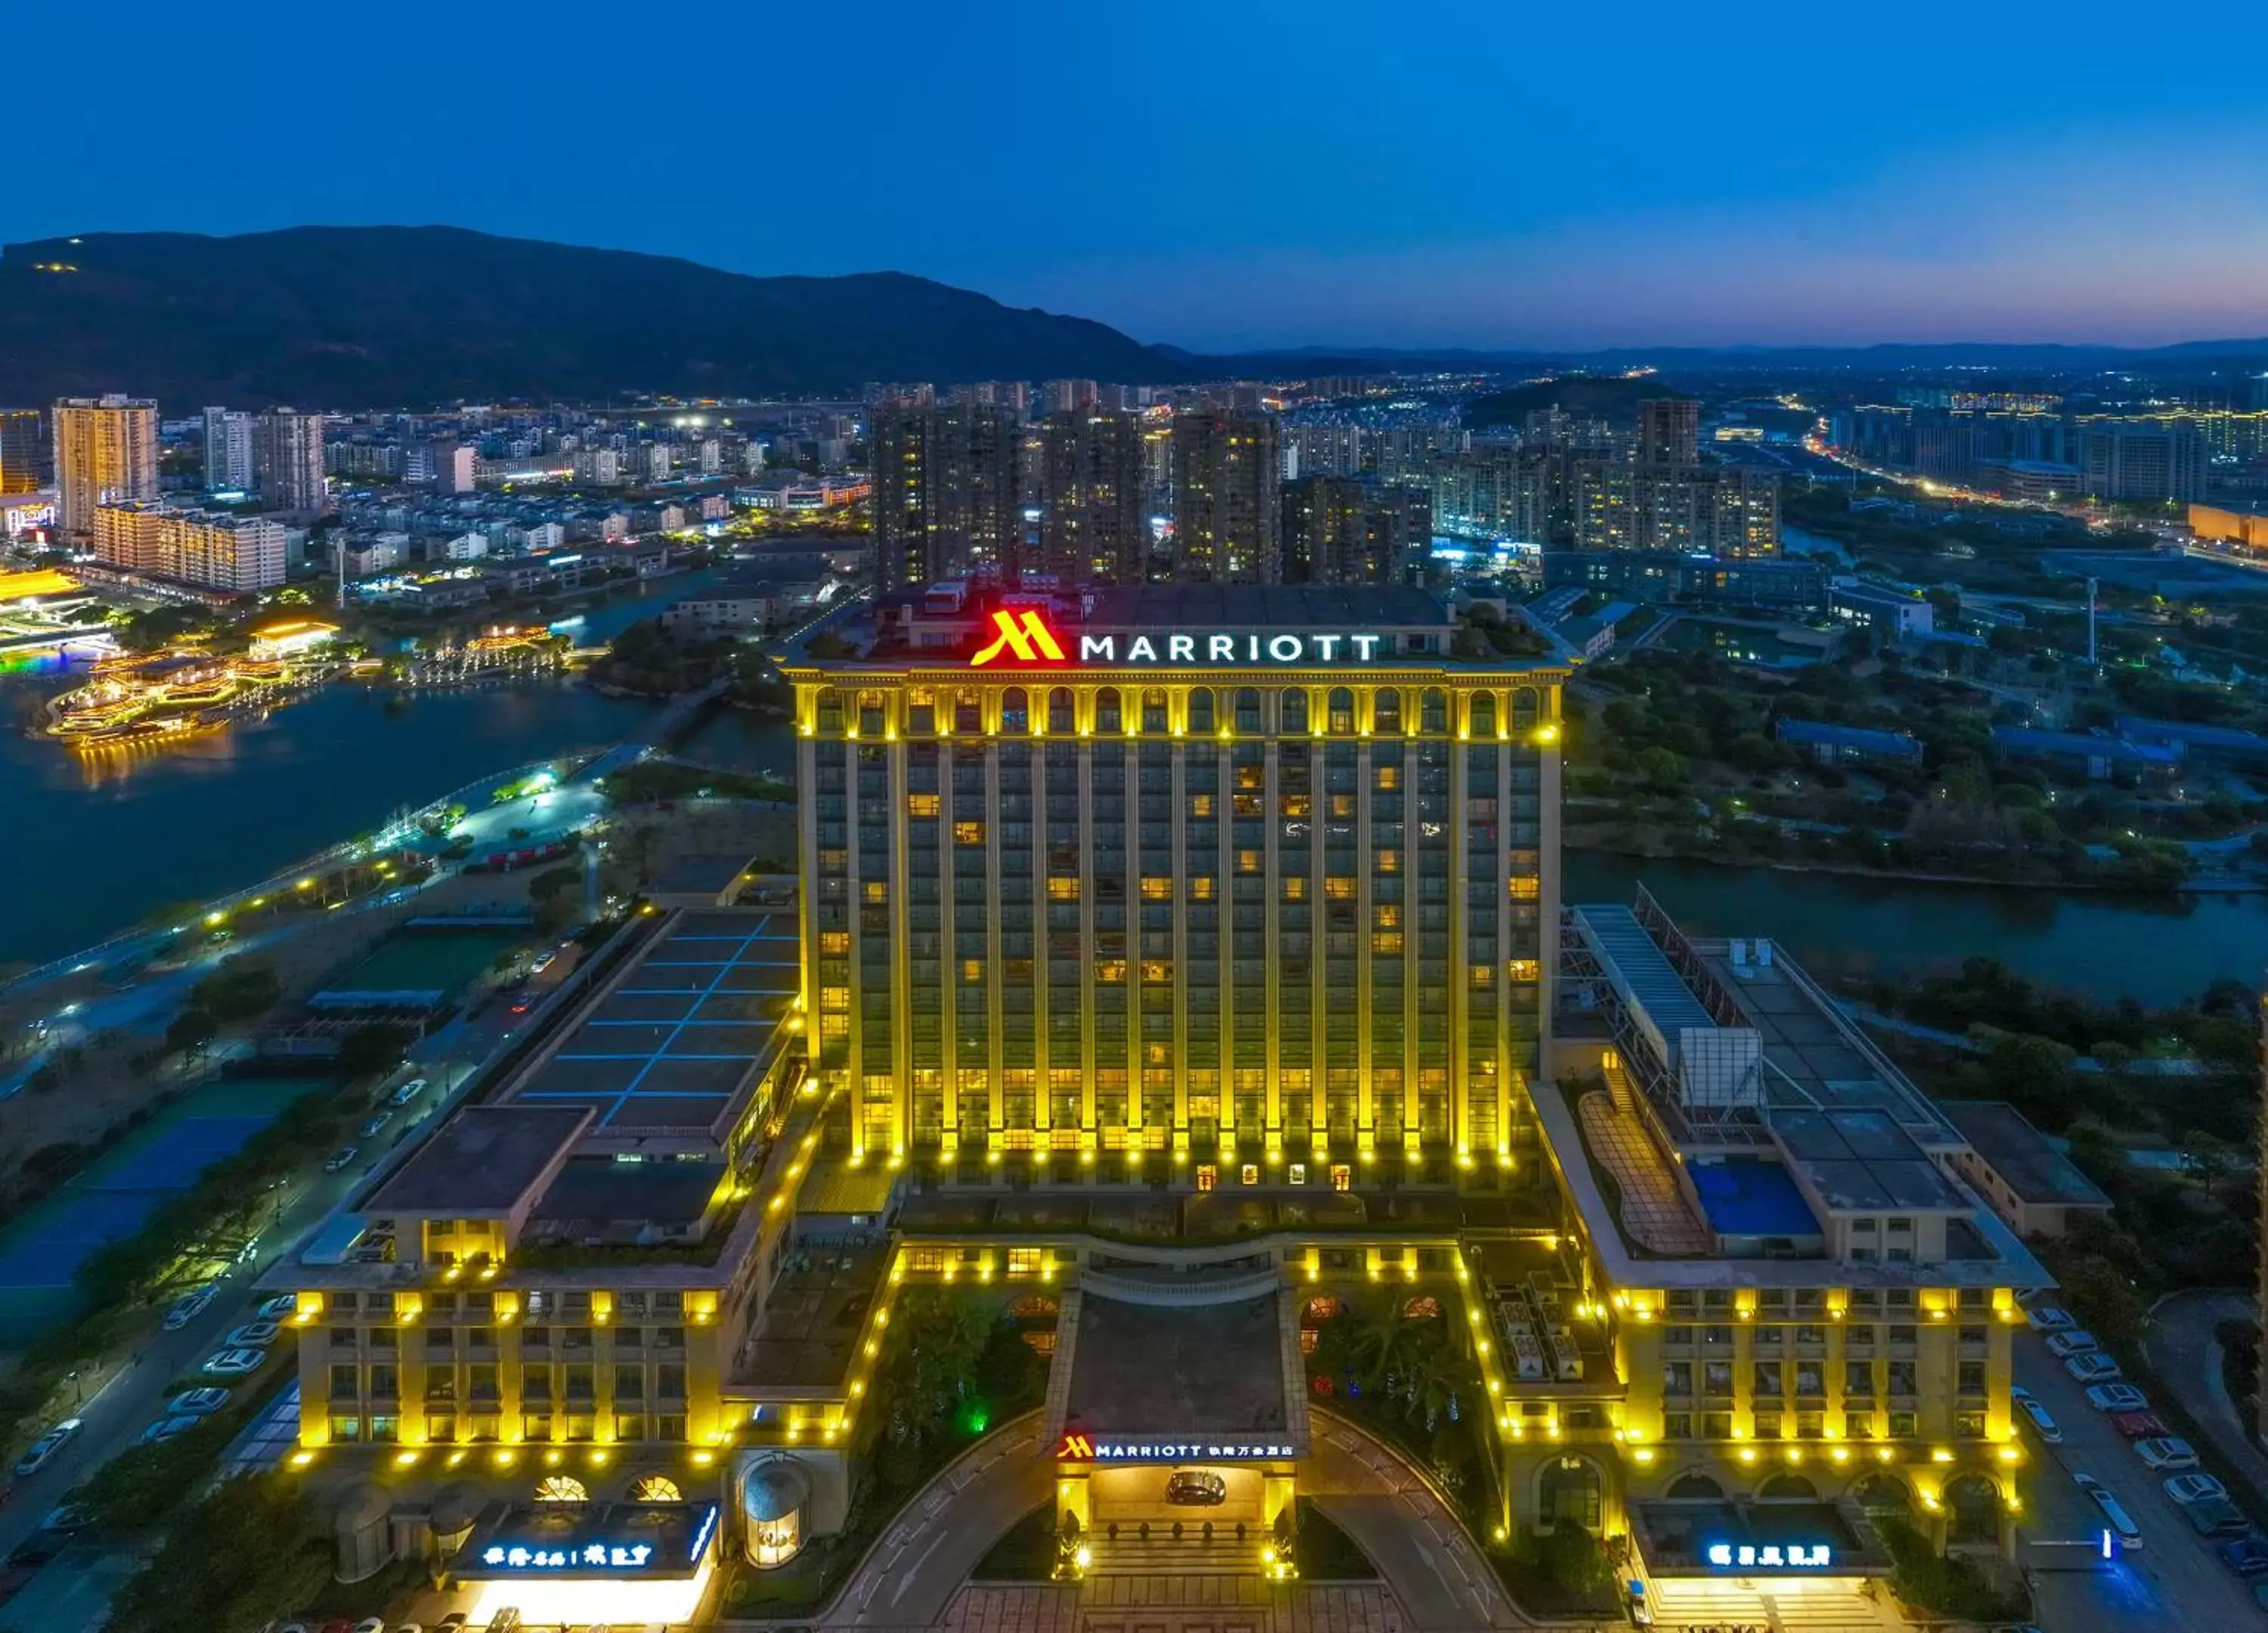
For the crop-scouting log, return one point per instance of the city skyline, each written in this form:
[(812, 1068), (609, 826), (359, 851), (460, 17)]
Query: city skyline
[(1570, 203)]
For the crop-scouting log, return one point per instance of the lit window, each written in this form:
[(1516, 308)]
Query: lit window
[(1200, 804), (1201, 888), (1298, 1173), (835, 941), (1157, 972), (1298, 805), (1155, 888), (1342, 1176), (877, 890), (921, 804), (969, 833), (1062, 889), (1483, 973), (1295, 889), (1389, 861), (1111, 970), (1248, 861), (1518, 970), (835, 997), (1525, 888), (1206, 1176), (1248, 1174), (1389, 941), (1389, 778), (1389, 917), (1338, 889), (972, 969)]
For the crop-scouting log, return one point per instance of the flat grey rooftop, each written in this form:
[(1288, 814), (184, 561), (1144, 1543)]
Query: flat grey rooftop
[(671, 1046), (700, 875), (1860, 1158), (1212, 1369), (597, 1197), (1171, 608), (2021, 1155), (482, 1160)]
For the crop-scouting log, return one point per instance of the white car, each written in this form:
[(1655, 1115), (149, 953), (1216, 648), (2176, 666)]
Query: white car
[(253, 1335), (375, 1126), (2094, 1367), (276, 1308), (166, 1428), (2187, 1489), (197, 1402), (190, 1306), (2122, 1522), (371, 1624), (2047, 1317), (35, 1457), (234, 1362), (2118, 1398), (2076, 1341), (407, 1092), (2166, 1453), (2029, 1404), (339, 1161)]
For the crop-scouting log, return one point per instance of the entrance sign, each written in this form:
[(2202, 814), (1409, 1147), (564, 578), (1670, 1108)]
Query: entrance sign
[(1081, 1448), (1026, 637), (1771, 1556)]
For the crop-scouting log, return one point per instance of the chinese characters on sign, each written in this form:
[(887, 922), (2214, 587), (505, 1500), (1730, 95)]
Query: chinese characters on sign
[(1076, 1447), (1771, 1556), (593, 1556)]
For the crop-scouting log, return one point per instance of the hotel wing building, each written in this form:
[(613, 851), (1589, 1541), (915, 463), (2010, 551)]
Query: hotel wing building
[(1180, 876)]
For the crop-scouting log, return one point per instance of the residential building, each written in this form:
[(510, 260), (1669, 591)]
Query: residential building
[(1093, 526), (1339, 530), (947, 495), (105, 454), (2029, 1179), (2144, 461), (1669, 576), (287, 462), (1227, 498), (228, 452), (1322, 450), (1830, 744), (1888, 611), (1068, 396), (23, 452), (212, 550), (1669, 431)]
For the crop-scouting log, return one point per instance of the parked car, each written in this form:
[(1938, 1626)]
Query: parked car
[(2195, 1489), (189, 1306), (2076, 1341), (2165, 1452), (2094, 1367), (2139, 1425), (2118, 1398), (454, 1622), (275, 1309), (2120, 1521), (253, 1335), (2046, 1318), (339, 1159), (197, 1402), (233, 1362), (2029, 1404), (371, 1624), (407, 1092), (36, 1455), (65, 1518), (2215, 1516), (1197, 1488), (167, 1428), (2260, 1594), (2248, 1555), (371, 1130)]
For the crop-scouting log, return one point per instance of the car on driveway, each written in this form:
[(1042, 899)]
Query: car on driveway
[(1197, 1488), (2166, 1453), (2045, 1318), (276, 1308), (339, 1161), (2195, 1489), (189, 1306), (65, 1518), (2094, 1367), (375, 1126), (2076, 1340), (234, 1363), (167, 1428), (2029, 1404), (36, 1455), (253, 1335), (2248, 1555), (2113, 1510), (2215, 1516), (2118, 1398), (407, 1092), (197, 1402)]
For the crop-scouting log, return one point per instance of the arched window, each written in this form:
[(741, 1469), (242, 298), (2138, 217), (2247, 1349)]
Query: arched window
[(1061, 719), (1294, 704), (1569, 1492), (1341, 705), (656, 1488), (1201, 710), (968, 711), (1433, 712), (1016, 712), (1385, 711), (830, 710), (1883, 1494), (1248, 710), (1322, 1307), (1153, 711), (1788, 1488), (1695, 1489), (561, 1488), (921, 712), (1483, 715), (1107, 717), (1526, 709), (1972, 1509), (870, 713)]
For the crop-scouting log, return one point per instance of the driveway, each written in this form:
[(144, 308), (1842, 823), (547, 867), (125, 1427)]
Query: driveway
[(2181, 1347)]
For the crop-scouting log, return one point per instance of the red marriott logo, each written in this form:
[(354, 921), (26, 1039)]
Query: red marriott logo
[(1024, 636)]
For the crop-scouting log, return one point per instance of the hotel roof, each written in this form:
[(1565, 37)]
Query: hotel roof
[(484, 1160)]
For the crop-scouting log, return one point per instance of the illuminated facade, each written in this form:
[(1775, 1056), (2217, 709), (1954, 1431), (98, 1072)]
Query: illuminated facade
[(1247, 906), (21, 435), (215, 550), (105, 454)]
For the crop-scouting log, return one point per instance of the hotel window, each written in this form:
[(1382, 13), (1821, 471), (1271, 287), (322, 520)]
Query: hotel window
[(835, 942), (1677, 1425), (969, 833), (1295, 888), (877, 890), (1107, 716), (1111, 971), (1339, 712), (1200, 804), (1389, 778), (1201, 888), (1207, 1176), (1061, 889), (1248, 861), (1248, 1174), (1016, 712), (1200, 708), (1342, 1176), (968, 711), (1153, 711), (1385, 941), (1386, 714), (1902, 1425), (1433, 711), (1061, 714), (1156, 887), (921, 712), (1338, 889), (1481, 712)]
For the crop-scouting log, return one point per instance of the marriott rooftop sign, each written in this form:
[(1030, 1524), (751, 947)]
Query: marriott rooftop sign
[(1026, 637)]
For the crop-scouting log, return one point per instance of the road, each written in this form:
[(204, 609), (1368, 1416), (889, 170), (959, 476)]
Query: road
[(2174, 1580), (2185, 1352)]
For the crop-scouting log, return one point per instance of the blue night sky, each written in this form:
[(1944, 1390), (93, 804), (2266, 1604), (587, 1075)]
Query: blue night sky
[(1240, 173)]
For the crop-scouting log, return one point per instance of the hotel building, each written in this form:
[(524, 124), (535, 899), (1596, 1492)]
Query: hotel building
[(1179, 967)]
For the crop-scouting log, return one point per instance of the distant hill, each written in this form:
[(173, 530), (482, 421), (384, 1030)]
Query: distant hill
[(356, 317), (1584, 396)]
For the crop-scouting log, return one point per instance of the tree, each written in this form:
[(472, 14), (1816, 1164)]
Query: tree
[(374, 1048), (192, 1031), (251, 1551)]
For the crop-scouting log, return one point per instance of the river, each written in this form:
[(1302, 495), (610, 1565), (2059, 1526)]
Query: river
[(89, 845)]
